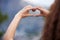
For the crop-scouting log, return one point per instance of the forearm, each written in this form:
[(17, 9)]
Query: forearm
[(12, 27)]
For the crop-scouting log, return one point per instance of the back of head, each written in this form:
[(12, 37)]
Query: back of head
[(52, 26)]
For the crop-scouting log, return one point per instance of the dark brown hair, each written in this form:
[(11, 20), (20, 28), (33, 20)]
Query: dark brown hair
[(52, 26)]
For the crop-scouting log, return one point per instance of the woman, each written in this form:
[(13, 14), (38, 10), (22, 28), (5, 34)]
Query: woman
[(52, 27)]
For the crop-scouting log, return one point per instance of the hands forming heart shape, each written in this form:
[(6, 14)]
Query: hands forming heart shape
[(33, 11)]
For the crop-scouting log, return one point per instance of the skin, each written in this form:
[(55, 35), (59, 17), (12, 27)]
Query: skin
[(43, 11), (9, 35)]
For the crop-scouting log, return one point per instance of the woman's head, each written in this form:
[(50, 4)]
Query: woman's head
[(52, 26)]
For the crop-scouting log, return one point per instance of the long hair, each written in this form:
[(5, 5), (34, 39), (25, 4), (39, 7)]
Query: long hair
[(52, 26)]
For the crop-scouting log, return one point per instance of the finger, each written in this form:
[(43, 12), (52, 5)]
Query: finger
[(28, 7), (40, 8), (30, 14), (38, 15)]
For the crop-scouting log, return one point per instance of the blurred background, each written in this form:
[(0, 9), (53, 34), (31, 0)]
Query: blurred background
[(30, 28)]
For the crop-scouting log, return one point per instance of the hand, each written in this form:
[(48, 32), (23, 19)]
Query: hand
[(25, 11), (43, 11)]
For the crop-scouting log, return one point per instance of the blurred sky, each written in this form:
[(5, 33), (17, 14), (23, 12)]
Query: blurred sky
[(40, 2)]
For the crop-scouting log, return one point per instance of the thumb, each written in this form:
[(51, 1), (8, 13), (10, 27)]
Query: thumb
[(38, 15)]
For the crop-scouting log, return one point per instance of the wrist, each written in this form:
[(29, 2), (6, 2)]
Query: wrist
[(18, 16)]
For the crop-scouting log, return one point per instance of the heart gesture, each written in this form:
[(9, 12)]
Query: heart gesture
[(25, 11), (9, 35)]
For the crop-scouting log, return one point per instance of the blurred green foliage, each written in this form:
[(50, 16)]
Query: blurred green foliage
[(1, 34), (3, 18)]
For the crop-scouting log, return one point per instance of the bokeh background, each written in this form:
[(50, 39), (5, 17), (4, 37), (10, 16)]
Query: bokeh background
[(30, 28)]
